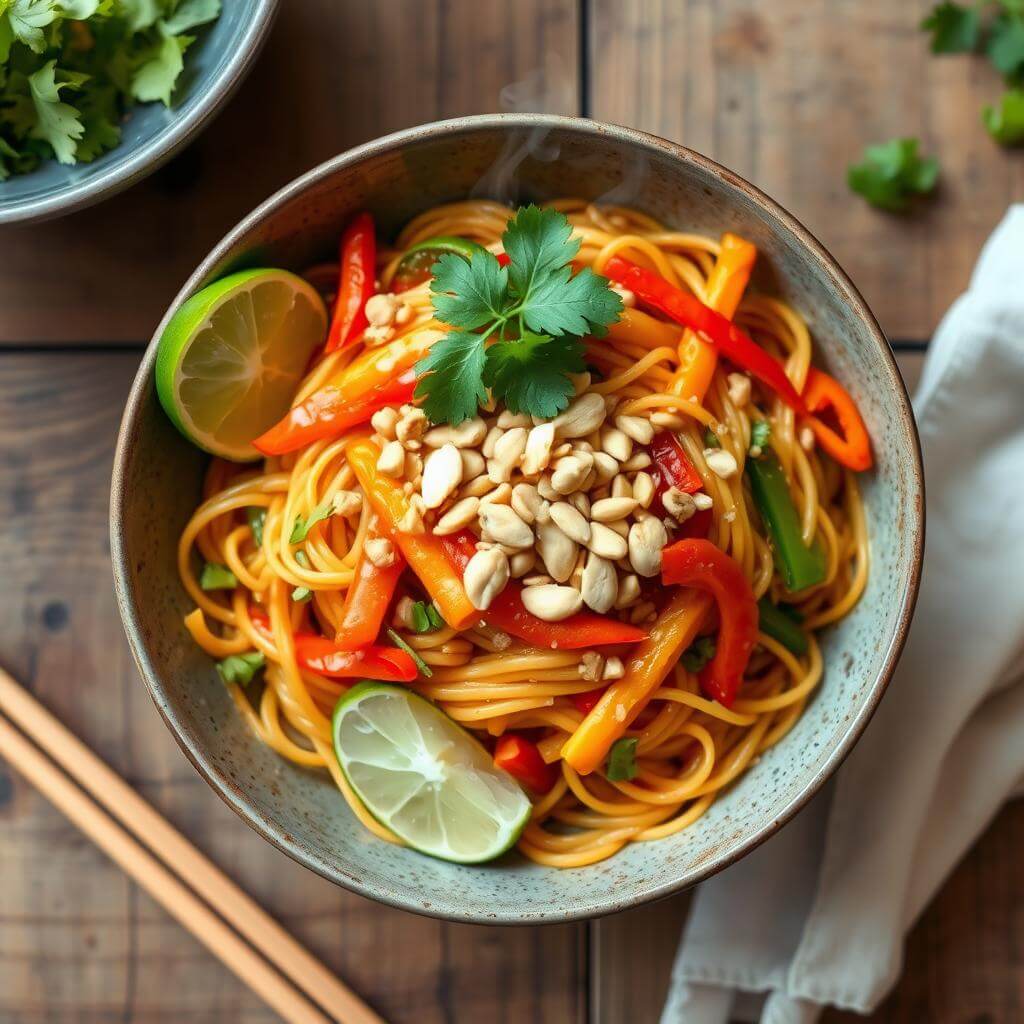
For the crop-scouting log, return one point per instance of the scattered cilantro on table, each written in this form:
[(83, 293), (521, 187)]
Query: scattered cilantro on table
[(516, 330), (995, 27), (891, 174), (71, 69), (1005, 123)]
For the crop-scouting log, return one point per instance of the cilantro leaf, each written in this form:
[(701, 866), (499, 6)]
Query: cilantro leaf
[(892, 173), (217, 577), (571, 304), (698, 654), (711, 439), (1005, 123), (538, 242), (57, 122), (301, 527), (760, 433), (240, 668), (451, 377), (530, 374), (156, 78), (471, 293), (1006, 45), (7, 153), (141, 14), (101, 131), (191, 14), (954, 29), (26, 20), (621, 765)]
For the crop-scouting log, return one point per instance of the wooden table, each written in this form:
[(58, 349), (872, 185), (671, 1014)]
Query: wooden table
[(787, 99)]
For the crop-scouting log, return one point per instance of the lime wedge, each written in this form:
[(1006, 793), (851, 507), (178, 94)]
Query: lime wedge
[(232, 356), (424, 776)]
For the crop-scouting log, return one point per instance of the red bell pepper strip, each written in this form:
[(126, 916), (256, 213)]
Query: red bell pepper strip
[(523, 761), (504, 259), (735, 344), (367, 601), (698, 563), (853, 448), (358, 260), (509, 614), (673, 464), (322, 655), (328, 413)]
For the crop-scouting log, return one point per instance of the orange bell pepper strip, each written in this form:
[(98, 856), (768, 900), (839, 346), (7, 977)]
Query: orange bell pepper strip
[(508, 613), (367, 600), (698, 563), (357, 259), (379, 377), (852, 448), (726, 284), (523, 761), (649, 663), (640, 328), (423, 551)]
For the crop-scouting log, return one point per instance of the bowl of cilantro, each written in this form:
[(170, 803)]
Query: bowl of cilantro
[(96, 94), (518, 160)]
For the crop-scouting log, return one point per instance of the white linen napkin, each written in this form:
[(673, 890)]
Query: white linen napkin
[(817, 915)]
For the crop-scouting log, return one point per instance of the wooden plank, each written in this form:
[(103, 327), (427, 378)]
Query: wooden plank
[(787, 95), (332, 75), (77, 941)]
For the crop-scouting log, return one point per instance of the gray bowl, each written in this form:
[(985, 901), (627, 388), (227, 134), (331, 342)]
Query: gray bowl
[(157, 476), (215, 65)]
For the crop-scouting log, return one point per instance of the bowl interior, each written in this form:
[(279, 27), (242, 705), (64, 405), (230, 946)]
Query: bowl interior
[(524, 158), (151, 133)]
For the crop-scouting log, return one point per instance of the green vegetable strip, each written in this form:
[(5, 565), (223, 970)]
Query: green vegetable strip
[(779, 625), (423, 667), (415, 266), (622, 760), (801, 566)]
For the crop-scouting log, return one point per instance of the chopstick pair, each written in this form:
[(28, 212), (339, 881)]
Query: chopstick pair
[(225, 919)]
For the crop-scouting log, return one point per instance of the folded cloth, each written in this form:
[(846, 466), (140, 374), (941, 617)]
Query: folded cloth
[(817, 915)]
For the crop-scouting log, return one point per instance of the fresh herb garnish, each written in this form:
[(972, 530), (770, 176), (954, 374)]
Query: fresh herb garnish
[(217, 577), (1005, 123), (240, 668), (893, 173), (622, 760), (425, 617), (760, 434), (423, 667), (698, 654), (711, 439), (997, 28), (256, 515), (302, 593), (71, 69), (534, 312), (954, 29), (302, 526)]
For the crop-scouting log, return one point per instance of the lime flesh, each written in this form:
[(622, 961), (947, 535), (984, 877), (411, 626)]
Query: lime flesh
[(424, 776), (231, 358)]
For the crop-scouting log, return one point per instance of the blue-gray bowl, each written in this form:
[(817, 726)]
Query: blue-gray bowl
[(215, 65), (158, 475)]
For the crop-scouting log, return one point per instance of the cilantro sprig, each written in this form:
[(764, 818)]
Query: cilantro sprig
[(516, 330), (891, 174)]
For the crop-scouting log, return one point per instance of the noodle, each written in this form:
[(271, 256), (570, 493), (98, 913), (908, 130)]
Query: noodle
[(690, 748)]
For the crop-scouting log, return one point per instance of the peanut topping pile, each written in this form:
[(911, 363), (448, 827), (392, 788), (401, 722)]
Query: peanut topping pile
[(564, 505)]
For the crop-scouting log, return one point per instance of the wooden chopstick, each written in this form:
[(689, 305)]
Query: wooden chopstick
[(113, 796)]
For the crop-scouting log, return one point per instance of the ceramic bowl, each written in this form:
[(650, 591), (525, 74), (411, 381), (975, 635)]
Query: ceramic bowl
[(215, 64), (157, 477)]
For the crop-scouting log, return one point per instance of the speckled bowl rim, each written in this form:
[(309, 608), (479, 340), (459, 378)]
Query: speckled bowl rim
[(219, 780), (139, 163)]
